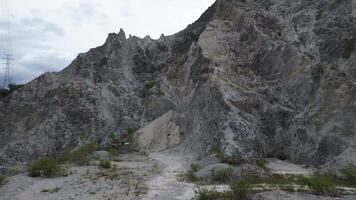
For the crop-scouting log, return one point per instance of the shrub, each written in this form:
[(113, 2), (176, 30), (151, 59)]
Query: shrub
[(195, 167), (81, 156), (188, 176), (12, 87), (47, 167), (114, 139), (4, 93), (350, 173), (239, 190), (105, 164), (222, 175), (2, 179), (130, 134)]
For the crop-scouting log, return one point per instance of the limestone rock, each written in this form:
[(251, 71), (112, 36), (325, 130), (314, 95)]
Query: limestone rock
[(255, 78), (161, 134)]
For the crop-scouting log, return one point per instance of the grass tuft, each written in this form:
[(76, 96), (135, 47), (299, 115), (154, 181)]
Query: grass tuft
[(349, 173), (106, 164), (239, 190)]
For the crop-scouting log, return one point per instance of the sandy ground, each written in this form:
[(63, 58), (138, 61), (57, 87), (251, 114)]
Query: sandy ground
[(124, 181), (165, 186)]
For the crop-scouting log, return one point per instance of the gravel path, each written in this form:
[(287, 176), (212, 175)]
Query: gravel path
[(165, 186)]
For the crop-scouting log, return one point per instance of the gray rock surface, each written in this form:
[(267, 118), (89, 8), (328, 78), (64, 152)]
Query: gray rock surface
[(160, 135), (252, 77)]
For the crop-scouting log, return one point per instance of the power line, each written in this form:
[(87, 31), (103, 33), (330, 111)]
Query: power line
[(5, 42)]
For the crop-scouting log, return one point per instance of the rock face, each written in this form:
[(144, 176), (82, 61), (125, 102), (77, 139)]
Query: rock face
[(251, 77), (161, 134)]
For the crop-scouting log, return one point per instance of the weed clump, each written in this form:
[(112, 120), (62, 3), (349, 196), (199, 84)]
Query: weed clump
[(349, 173), (190, 176), (105, 164), (239, 190)]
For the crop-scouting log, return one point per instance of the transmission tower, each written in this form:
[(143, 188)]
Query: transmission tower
[(7, 78), (5, 42)]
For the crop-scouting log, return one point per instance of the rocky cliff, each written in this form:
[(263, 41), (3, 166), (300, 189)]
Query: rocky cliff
[(256, 78)]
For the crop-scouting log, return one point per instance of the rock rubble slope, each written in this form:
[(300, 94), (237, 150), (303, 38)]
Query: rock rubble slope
[(274, 77)]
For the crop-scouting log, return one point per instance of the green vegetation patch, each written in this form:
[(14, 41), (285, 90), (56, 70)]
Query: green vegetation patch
[(190, 176), (11, 88), (51, 166), (320, 184), (47, 167), (349, 173), (106, 164), (80, 156), (239, 191), (2, 179)]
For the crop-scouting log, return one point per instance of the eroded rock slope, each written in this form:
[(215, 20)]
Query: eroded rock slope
[(268, 78)]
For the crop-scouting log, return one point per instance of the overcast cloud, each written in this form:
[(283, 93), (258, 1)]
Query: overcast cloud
[(46, 35)]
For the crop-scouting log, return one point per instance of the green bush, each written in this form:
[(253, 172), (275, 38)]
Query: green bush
[(239, 190), (106, 164), (195, 167), (12, 87), (190, 176), (131, 133), (350, 173), (114, 139), (4, 93), (47, 167), (320, 184), (81, 156), (222, 175), (2, 179)]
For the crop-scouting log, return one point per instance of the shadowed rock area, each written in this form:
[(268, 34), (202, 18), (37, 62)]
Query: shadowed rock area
[(254, 78)]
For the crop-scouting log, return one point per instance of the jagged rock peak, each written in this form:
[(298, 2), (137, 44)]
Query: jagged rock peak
[(122, 34), (162, 36)]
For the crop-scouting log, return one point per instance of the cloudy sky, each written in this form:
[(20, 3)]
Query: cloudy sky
[(46, 35)]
